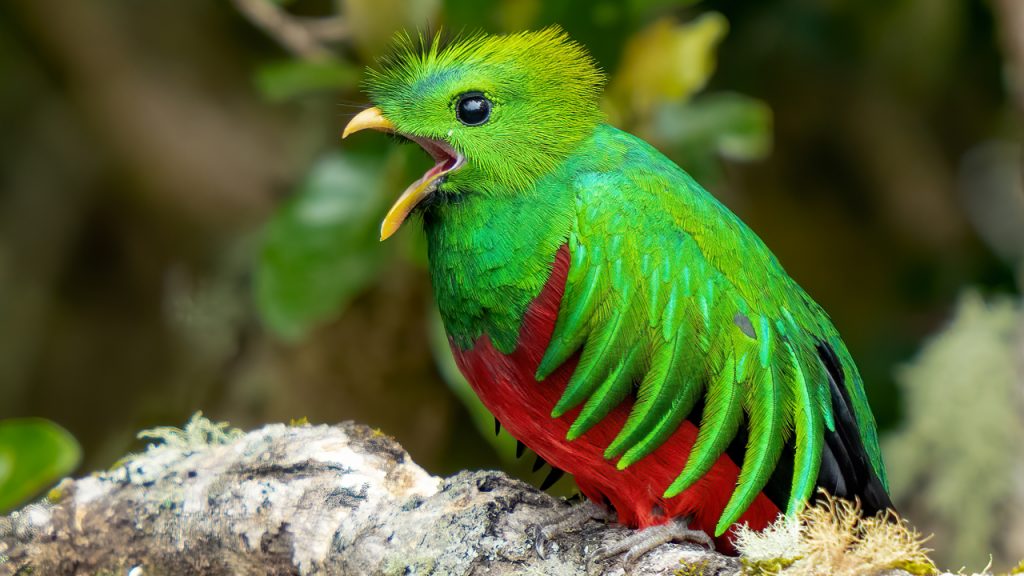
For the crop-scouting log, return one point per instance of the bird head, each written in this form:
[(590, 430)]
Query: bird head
[(495, 113)]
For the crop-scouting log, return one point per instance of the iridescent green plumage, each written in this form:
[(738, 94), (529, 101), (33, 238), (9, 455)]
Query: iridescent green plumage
[(670, 298), (671, 273)]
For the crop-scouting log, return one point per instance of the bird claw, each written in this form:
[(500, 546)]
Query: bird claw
[(538, 541), (569, 521), (635, 546)]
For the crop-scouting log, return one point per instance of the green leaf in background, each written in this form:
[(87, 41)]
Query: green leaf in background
[(322, 248), (665, 62), (34, 453), (734, 126), (287, 79)]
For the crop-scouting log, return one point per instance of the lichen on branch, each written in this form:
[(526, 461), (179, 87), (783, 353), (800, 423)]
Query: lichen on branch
[(345, 499)]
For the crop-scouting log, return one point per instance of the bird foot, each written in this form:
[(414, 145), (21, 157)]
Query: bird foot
[(569, 521), (643, 541)]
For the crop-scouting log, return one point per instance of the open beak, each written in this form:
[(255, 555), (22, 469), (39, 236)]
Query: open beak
[(446, 160)]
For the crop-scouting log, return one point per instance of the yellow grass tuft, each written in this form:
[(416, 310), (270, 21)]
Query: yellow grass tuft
[(831, 538)]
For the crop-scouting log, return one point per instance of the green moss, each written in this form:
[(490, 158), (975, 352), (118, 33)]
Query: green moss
[(55, 495), (915, 567), (118, 464), (295, 422), (768, 567), (694, 569)]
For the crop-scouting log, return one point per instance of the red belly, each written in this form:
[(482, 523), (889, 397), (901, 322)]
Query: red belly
[(506, 385)]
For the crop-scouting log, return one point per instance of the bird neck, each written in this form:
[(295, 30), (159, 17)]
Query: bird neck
[(491, 254)]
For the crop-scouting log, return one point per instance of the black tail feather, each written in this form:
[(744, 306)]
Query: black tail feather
[(554, 476), (538, 463), (846, 470)]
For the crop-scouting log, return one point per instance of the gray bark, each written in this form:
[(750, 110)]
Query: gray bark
[(305, 500)]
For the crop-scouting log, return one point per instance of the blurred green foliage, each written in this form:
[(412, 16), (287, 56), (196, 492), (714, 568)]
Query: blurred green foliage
[(286, 79), (663, 62), (34, 453), (321, 248), (712, 127)]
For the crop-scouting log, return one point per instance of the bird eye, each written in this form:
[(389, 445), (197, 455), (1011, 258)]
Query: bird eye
[(473, 109)]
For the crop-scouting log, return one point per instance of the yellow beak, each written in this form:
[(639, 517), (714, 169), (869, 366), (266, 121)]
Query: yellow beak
[(369, 118), (418, 190)]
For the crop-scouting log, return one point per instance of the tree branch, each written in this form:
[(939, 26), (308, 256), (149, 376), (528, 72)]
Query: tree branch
[(303, 500), (303, 37), (1011, 21)]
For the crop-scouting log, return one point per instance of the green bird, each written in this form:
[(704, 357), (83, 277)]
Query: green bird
[(613, 315)]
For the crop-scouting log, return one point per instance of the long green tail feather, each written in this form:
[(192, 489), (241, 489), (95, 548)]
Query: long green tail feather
[(664, 427), (768, 407), (809, 437), (722, 415), (649, 398), (667, 394), (597, 358), (608, 396), (583, 294)]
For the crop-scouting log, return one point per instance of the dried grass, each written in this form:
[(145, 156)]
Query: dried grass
[(831, 538)]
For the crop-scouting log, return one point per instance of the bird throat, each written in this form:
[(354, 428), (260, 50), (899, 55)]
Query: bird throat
[(490, 256)]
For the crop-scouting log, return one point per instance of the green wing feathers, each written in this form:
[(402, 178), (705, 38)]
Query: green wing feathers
[(671, 298)]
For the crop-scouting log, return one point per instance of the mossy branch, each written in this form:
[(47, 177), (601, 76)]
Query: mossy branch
[(307, 500)]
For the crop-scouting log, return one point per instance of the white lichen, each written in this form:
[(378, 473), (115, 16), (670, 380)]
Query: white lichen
[(199, 432), (781, 540), (831, 538), (962, 400)]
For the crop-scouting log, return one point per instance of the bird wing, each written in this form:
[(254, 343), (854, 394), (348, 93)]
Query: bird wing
[(672, 299)]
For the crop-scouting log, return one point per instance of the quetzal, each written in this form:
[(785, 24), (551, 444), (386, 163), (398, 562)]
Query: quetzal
[(612, 314)]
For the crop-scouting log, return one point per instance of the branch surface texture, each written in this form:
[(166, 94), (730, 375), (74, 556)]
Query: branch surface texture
[(306, 500)]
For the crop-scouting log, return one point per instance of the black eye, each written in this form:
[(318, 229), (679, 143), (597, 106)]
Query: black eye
[(473, 109)]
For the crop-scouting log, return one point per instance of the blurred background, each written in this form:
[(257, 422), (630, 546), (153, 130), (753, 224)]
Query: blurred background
[(181, 228)]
